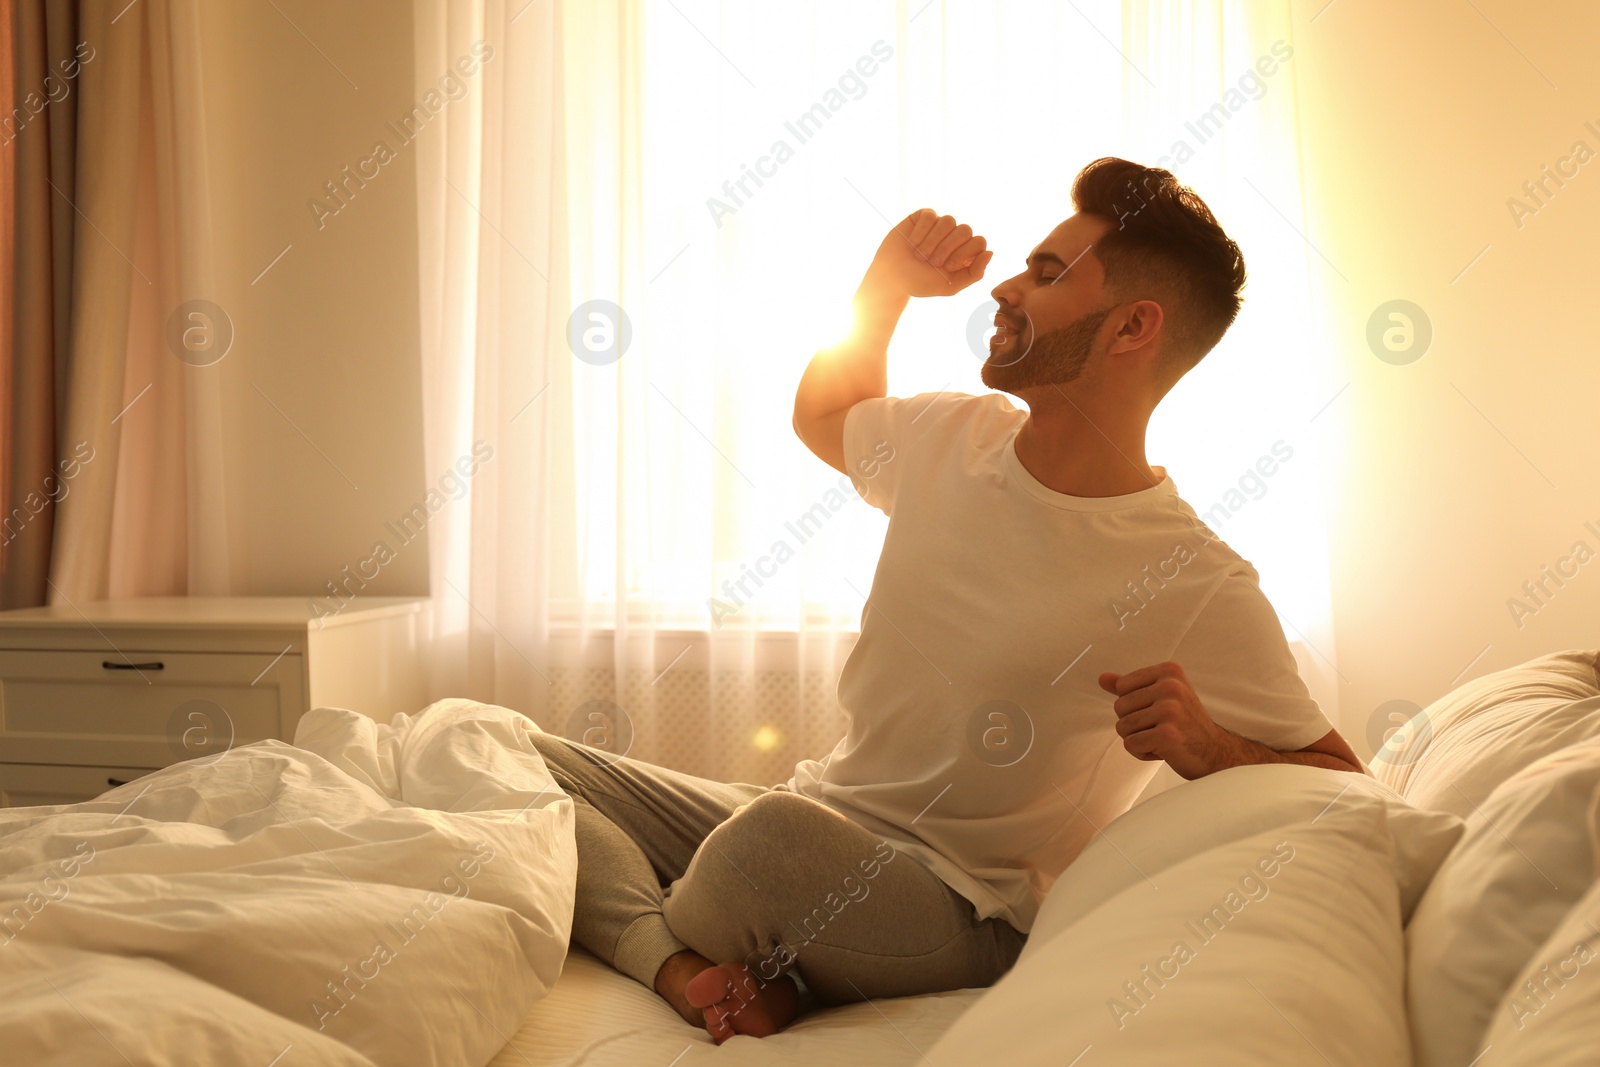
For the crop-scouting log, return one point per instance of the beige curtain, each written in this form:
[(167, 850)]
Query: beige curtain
[(39, 129), (8, 262), (140, 517)]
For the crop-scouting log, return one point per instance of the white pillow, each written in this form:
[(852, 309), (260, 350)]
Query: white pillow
[(1456, 750), (1299, 961), (1239, 802), (1528, 855), (1551, 1015)]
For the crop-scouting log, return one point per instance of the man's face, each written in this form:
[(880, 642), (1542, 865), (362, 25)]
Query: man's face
[(1050, 314)]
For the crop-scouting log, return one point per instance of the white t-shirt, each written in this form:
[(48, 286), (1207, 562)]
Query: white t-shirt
[(980, 742)]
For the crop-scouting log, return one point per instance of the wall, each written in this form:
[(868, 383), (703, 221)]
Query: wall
[(1469, 469), (322, 390)]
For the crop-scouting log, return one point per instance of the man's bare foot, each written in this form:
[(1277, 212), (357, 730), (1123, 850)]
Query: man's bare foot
[(726, 1000), (735, 1001), (675, 973)]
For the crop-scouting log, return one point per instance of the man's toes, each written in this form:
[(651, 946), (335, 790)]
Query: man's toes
[(717, 1024), (707, 988)]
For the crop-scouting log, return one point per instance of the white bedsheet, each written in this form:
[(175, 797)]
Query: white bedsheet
[(383, 894)]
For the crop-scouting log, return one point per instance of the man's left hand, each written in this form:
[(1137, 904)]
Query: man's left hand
[(1160, 717)]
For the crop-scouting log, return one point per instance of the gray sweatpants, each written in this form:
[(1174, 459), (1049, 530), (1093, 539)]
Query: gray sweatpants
[(668, 862)]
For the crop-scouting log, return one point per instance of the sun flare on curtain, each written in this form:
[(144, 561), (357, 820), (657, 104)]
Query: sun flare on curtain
[(723, 175)]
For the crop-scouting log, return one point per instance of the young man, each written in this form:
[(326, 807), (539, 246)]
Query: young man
[(1047, 620)]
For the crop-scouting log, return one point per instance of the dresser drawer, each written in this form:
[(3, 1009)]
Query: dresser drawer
[(26, 784), (94, 710)]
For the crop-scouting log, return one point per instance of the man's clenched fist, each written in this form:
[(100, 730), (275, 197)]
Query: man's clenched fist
[(1160, 718), (928, 254)]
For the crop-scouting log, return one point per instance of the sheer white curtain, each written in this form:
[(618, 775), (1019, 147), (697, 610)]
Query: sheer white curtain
[(491, 212), (654, 213), (576, 585), (1244, 434)]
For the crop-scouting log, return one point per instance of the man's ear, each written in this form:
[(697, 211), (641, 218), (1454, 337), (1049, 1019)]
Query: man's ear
[(1140, 323)]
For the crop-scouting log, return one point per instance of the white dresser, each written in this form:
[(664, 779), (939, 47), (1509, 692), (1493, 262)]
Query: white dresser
[(97, 694)]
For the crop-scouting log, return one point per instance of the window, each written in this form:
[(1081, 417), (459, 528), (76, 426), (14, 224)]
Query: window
[(730, 200)]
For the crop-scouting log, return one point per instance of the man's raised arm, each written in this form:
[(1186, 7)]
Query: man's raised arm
[(927, 254)]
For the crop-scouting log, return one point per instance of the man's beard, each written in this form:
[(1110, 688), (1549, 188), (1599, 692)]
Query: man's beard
[(1054, 358)]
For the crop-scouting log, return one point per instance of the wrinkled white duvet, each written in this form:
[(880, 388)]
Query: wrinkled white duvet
[(372, 895)]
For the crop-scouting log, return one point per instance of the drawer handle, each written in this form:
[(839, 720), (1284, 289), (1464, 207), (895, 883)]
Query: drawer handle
[(108, 665), (114, 782)]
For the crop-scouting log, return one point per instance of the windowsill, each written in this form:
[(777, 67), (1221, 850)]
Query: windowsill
[(653, 647), (739, 623)]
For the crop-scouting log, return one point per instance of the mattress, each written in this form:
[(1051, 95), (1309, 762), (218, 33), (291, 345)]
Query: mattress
[(596, 1017)]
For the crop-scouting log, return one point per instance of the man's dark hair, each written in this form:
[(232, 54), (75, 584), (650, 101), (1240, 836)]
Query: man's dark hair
[(1164, 245)]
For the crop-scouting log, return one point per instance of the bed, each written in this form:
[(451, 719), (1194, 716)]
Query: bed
[(402, 894), (594, 1015)]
